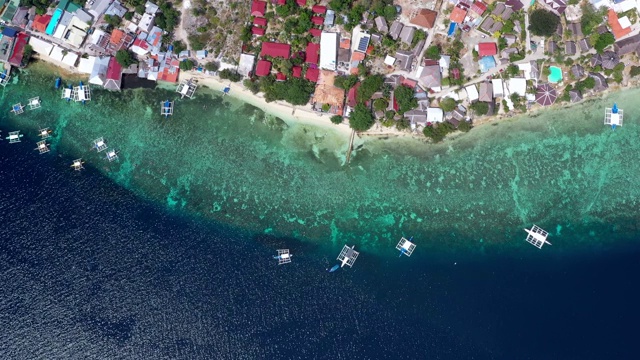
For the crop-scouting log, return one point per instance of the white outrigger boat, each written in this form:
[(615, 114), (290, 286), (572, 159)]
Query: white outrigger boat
[(112, 155), (537, 236), (283, 257), (43, 148), (14, 137), (77, 164), (405, 246), (347, 257)]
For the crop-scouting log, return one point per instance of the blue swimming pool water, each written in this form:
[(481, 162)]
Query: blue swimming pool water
[(54, 22), (452, 29), (555, 74)]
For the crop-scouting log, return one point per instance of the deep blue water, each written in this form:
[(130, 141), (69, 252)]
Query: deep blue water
[(90, 271)]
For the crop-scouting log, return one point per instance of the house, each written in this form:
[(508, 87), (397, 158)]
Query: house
[(552, 47), (472, 93), (40, 46), (147, 22), (416, 118), (458, 14), (430, 75), (389, 60), (98, 7), (510, 38), (556, 6), (98, 67), (628, 45), (517, 85), (396, 29), (263, 68), (184, 54), (319, 9), (327, 93), (578, 71), (11, 7), (315, 32), (478, 7), (376, 38), (487, 24), (601, 82), (497, 26), (312, 53), (619, 28), (444, 62), (281, 76), (114, 75), (425, 18), (115, 9), (312, 74), (435, 115), (296, 71), (506, 14), (570, 48), (246, 64), (596, 60), (559, 29), (258, 8), (381, 24), (40, 23), (575, 95), (498, 87), (535, 70), (486, 92), (610, 59), (487, 49), (60, 30), (576, 29), (515, 5), (169, 68), (274, 49), (150, 8), (404, 60), (329, 18), (257, 31), (352, 95), (140, 47), (584, 45), (407, 34), (328, 50), (21, 18), (317, 20)]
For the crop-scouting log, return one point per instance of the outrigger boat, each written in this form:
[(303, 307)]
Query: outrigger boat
[(405, 246), (43, 148), (34, 103), (166, 109), (14, 137), (17, 109), (613, 116), (4, 78), (112, 155), (82, 93), (58, 83), (347, 257), (284, 257), (99, 144), (44, 133), (67, 93), (537, 236), (77, 164)]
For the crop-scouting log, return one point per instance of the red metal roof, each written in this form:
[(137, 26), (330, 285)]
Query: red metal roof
[(317, 20), (263, 68), (40, 22), (281, 2), (18, 49), (479, 7), (260, 21), (257, 30), (296, 71), (455, 72), (275, 49), (301, 2), (352, 94), (319, 9), (281, 76), (313, 53), (315, 32), (258, 8), (114, 71), (312, 74), (141, 44), (487, 49)]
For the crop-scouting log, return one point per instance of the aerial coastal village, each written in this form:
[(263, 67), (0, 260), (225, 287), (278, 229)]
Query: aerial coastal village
[(430, 67)]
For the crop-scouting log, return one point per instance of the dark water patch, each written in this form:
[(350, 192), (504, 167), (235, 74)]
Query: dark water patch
[(132, 81)]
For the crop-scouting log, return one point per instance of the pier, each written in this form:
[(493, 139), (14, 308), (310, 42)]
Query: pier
[(350, 147)]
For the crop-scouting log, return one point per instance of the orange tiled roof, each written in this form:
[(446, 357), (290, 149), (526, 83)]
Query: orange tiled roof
[(616, 28), (345, 43), (357, 56), (116, 36), (457, 15)]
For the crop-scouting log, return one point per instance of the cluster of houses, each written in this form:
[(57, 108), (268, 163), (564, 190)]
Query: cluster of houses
[(79, 38)]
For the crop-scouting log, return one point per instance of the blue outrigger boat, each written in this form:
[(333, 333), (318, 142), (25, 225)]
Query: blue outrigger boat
[(68, 93), (58, 83)]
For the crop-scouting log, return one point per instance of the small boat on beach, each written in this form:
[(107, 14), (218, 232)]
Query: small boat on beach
[(283, 257), (67, 93), (58, 83), (226, 89)]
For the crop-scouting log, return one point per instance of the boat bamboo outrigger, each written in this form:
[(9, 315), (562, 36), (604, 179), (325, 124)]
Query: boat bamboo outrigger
[(77, 164), (68, 93), (44, 133), (34, 103), (187, 88), (613, 116), (405, 246), (99, 144), (14, 137), (58, 83), (537, 236), (347, 257), (283, 256), (166, 108), (82, 93), (43, 148), (17, 109), (4, 78), (112, 155)]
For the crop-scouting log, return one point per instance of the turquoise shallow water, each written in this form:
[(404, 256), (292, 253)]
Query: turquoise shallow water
[(561, 169)]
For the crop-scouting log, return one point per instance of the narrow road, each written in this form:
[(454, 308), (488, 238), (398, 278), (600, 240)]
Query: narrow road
[(526, 27), (432, 32)]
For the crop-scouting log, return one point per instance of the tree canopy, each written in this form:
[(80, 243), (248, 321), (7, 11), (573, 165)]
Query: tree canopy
[(345, 82), (187, 64), (369, 86), (604, 40), (448, 104), (405, 98), (543, 22), (360, 118), (125, 58), (433, 52), (480, 108), (336, 119)]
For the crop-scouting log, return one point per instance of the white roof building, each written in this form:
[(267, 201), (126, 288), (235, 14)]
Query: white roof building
[(98, 7), (498, 88), (150, 8), (57, 53), (99, 72), (624, 21), (70, 59), (472, 93), (146, 23), (246, 64), (86, 64), (517, 86), (328, 50), (618, 6), (40, 46), (526, 68), (444, 62), (95, 37), (64, 22), (389, 60), (76, 32), (435, 115)]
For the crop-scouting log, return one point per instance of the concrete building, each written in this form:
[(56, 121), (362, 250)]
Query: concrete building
[(328, 51)]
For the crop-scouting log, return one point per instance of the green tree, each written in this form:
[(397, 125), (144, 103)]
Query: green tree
[(212, 66), (448, 104), (380, 104), (187, 64), (125, 58), (113, 20), (27, 53), (178, 46), (603, 41), (360, 118), (433, 52), (464, 126), (635, 71), (437, 132), (253, 86), (513, 70), (543, 22), (480, 108), (369, 86), (405, 98), (336, 119), (230, 75), (390, 12)]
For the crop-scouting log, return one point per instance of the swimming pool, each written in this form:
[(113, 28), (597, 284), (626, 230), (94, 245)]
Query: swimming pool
[(55, 18), (555, 74)]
